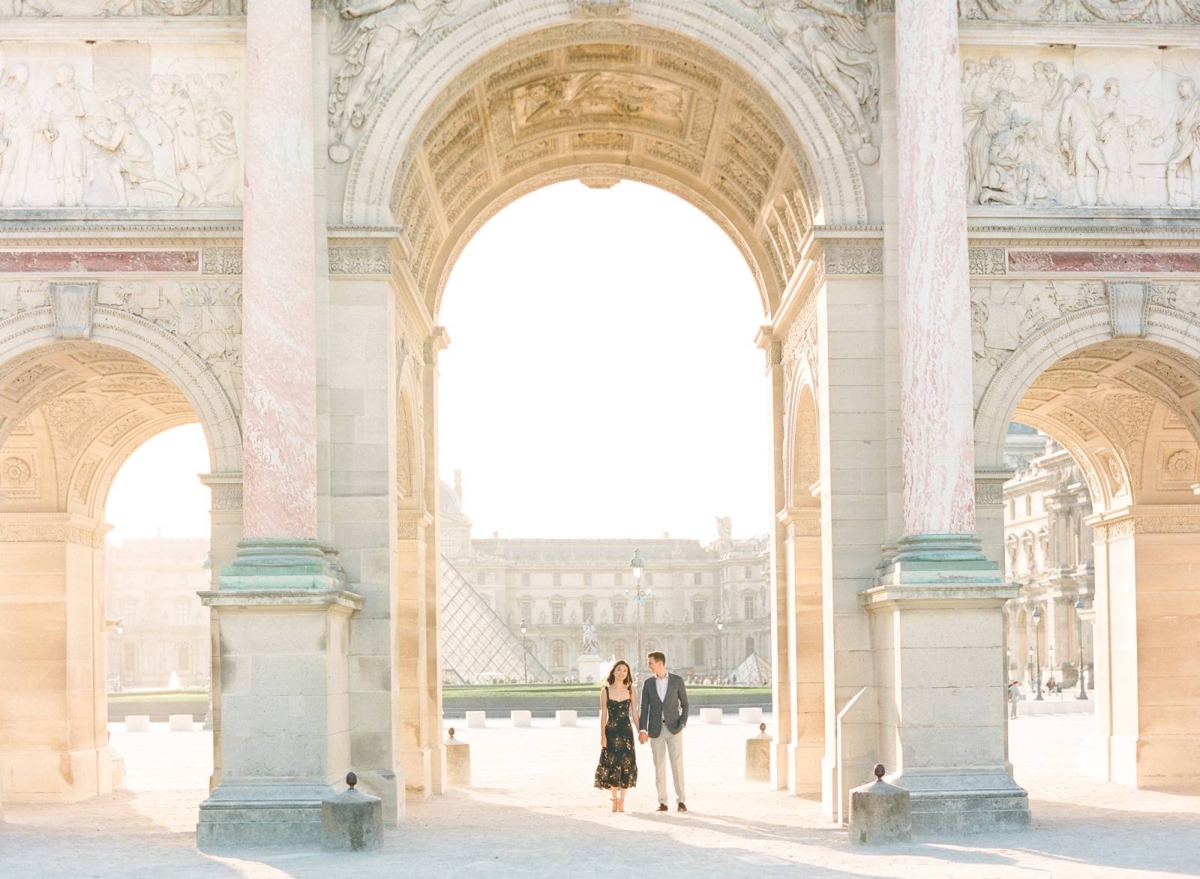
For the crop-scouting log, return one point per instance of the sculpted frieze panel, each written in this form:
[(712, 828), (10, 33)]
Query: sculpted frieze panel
[(830, 39), (118, 130), (559, 101), (110, 8), (1116, 11), (1073, 127), (378, 39)]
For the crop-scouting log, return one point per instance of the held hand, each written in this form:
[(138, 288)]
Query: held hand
[(642, 737)]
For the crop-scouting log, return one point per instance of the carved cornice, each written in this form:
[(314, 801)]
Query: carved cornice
[(206, 29), (1090, 34)]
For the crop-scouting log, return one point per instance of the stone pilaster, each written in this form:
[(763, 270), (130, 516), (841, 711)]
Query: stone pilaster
[(806, 657)]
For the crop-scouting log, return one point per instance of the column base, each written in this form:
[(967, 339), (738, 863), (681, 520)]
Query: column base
[(780, 765), (953, 804), (804, 780), (938, 627), (418, 771), (56, 776), (262, 815), (283, 562)]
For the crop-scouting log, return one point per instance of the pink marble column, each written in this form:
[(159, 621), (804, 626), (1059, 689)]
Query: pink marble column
[(935, 305), (279, 342)]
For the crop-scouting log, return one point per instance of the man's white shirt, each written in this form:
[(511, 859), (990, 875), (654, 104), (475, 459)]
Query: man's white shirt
[(660, 684)]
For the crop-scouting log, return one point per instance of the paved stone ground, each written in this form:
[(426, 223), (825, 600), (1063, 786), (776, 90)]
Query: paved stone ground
[(533, 812)]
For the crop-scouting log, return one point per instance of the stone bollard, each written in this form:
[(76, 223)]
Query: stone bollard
[(880, 812), (750, 715), (712, 715), (458, 761), (137, 723), (476, 719), (522, 718), (180, 723), (567, 718), (352, 821), (758, 756)]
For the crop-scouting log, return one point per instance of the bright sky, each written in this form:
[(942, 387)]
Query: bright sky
[(601, 380), (157, 488)]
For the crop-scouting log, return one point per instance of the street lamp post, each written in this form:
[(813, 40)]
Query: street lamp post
[(1078, 608), (524, 654), (120, 654), (720, 664), (638, 565), (1037, 637)]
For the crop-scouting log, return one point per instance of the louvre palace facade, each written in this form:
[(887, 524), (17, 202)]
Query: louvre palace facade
[(244, 215)]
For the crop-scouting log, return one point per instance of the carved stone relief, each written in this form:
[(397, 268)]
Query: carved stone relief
[(830, 39), (1069, 128), (110, 8), (1116, 11), (377, 39), (118, 131)]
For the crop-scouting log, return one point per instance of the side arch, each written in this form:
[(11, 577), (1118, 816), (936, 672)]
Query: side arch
[(23, 336)]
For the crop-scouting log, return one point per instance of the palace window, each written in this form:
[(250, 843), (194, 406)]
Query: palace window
[(587, 579), (558, 654), (525, 579), (647, 611), (747, 607), (526, 610), (556, 612), (589, 611), (697, 579), (557, 579), (698, 610), (618, 612), (618, 578)]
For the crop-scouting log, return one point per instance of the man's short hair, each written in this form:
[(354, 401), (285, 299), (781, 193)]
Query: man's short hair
[(657, 656)]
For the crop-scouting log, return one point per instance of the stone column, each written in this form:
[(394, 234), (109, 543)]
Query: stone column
[(777, 590), (937, 620), (280, 609), (806, 654)]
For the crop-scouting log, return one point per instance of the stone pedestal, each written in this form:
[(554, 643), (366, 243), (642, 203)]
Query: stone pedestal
[(937, 629), (758, 756), (285, 725), (880, 813), (589, 668), (458, 761), (352, 821)]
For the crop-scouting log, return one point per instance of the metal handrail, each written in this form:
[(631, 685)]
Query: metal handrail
[(840, 755)]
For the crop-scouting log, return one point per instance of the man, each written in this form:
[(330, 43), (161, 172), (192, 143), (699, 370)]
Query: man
[(1185, 125), (664, 715)]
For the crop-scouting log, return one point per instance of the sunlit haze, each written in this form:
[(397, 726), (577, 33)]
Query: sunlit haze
[(602, 379), (158, 492)]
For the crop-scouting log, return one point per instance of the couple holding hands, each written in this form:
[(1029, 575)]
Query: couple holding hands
[(663, 716)]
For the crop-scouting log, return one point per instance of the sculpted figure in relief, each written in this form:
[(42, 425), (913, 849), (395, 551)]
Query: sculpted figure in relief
[(108, 8), (830, 37), (377, 37), (63, 128), (1185, 126), (19, 114), (1080, 138), (1152, 11)]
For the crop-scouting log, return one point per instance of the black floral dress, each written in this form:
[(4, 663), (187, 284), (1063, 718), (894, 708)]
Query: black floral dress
[(618, 762)]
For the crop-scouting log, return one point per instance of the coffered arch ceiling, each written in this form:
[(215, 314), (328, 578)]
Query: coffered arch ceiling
[(1129, 411), (649, 107), (71, 414)]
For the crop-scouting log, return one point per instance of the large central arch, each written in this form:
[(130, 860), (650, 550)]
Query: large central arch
[(693, 97)]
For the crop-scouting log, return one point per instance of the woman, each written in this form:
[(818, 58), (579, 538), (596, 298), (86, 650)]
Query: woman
[(618, 763)]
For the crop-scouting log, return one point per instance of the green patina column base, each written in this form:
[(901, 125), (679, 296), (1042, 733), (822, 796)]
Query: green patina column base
[(283, 563)]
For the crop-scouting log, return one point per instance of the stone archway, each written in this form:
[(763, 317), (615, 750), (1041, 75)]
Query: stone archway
[(537, 96), (74, 405), (1125, 405)]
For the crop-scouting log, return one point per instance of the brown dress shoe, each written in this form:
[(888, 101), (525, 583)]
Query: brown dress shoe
[(682, 807), (662, 807)]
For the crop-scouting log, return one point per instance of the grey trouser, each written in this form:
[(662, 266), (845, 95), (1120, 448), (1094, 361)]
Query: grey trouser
[(668, 743)]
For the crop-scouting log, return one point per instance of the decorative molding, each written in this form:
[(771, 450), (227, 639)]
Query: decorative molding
[(359, 260), (52, 532), (70, 261), (853, 260), (601, 8), (222, 261), (1104, 262), (73, 305), (986, 261), (1128, 308)]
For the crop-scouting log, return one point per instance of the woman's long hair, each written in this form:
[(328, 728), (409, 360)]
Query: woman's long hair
[(612, 674)]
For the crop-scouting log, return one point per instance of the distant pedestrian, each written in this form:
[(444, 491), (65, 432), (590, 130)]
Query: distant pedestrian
[(1014, 696)]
